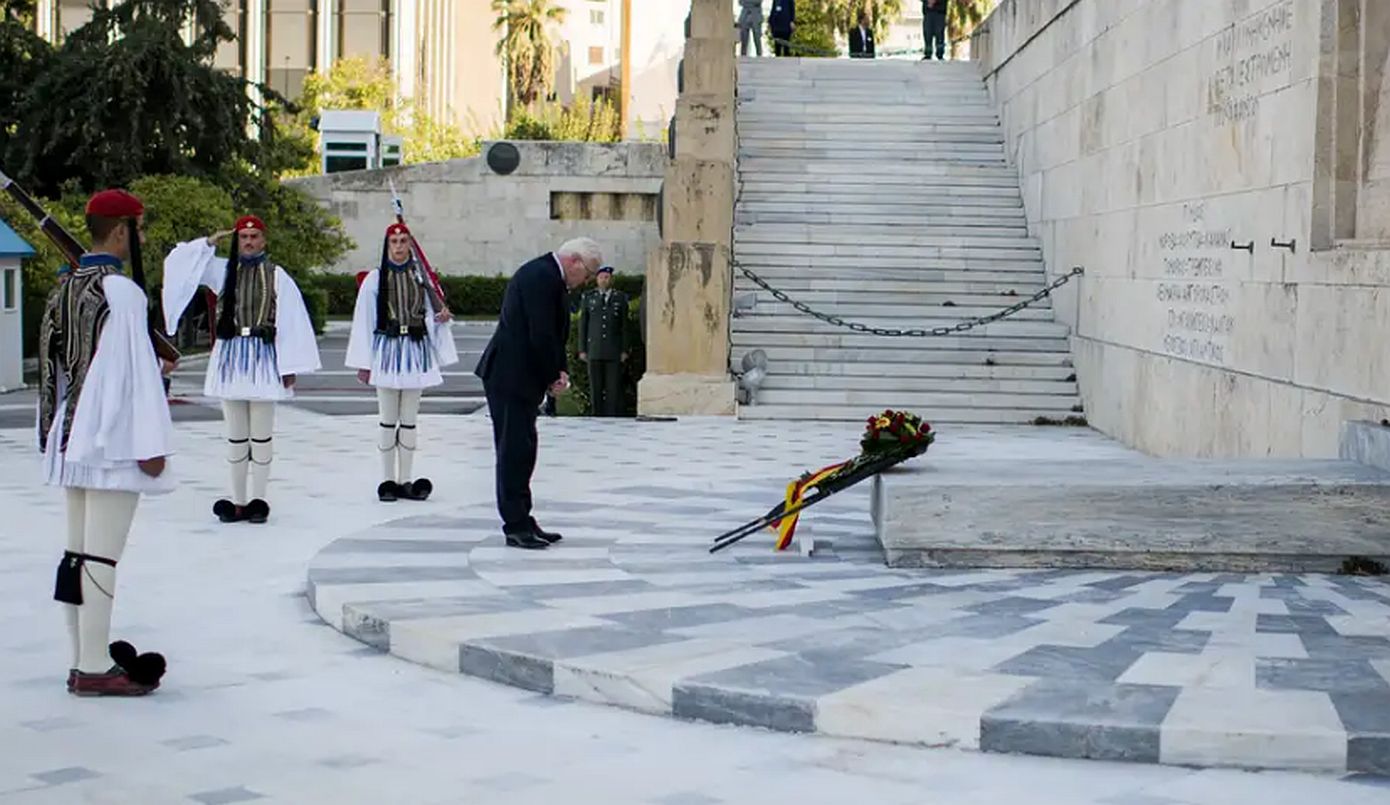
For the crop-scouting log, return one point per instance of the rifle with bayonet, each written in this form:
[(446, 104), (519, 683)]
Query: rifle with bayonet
[(430, 279), (72, 251)]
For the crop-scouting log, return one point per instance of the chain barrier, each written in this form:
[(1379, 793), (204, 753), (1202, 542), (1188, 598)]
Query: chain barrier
[(958, 327)]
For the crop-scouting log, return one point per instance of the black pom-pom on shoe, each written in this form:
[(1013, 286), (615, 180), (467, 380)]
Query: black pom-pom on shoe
[(387, 491), (227, 511), (142, 669), (258, 511), (418, 489)]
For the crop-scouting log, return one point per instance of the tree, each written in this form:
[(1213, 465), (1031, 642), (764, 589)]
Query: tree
[(125, 96), (961, 19), (357, 83), (525, 46), (818, 21), (23, 56)]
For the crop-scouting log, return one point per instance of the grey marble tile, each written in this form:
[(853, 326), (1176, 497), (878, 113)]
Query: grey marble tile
[(984, 627), (1066, 719), (1153, 618), (1011, 605), (304, 714), (799, 676), (51, 724), (527, 561), (1369, 754), (1300, 606), (685, 798), (1140, 639), (1202, 602), (1340, 675), (1103, 663), (440, 607), (1092, 596), (366, 545), (510, 781), (1335, 646), (905, 591), (566, 643), (348, 761), (191, 742), (1118, 583), (854, 642), (674, 617), (386, 575), (226, 796), (517, 670), (1293, 624), (582, 589), (71, 774), (699, 702)]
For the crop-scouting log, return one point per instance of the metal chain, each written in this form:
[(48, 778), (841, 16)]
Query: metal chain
[(958, 327)]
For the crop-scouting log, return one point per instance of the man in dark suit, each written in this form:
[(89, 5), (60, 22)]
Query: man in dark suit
[(524, 359), (934, 15), (782, 23), (861, 38)]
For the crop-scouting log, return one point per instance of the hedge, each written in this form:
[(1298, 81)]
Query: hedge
[(468, 295)]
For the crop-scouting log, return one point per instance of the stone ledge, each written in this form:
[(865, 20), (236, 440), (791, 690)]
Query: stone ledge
[(1134, 513), (1366, 443)]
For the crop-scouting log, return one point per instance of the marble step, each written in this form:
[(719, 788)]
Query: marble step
[(928, 291), (908, 154), (917, 400), (758, 115), (864, 253), (755, 194), (855, 413), (764, 333), (1004, 221), (877, 235), (916, 383), (905, 311), (775, 267), (783, 369), (909, 355), (926, 182), (868, 137), (793, 325)]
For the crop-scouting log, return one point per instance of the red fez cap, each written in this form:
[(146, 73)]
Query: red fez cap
[(246, 222), (397, 229), (115, 204)]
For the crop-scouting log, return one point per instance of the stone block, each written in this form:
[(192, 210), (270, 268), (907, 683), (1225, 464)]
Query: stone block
[(713, 19), (710, 67), (699, 199), (689, 291), (1366, 443), (685, 395), (1133, 513), (705, 128)]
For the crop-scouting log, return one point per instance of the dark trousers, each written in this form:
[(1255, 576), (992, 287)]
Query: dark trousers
[(934, 31), (779, 45), (605, 387), (514, 437)]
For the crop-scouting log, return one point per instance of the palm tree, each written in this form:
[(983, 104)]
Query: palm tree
[(962, 17), (525, 47)]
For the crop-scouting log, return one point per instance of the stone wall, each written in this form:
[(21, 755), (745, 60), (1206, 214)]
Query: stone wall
[(1154, 136), (471, 219)]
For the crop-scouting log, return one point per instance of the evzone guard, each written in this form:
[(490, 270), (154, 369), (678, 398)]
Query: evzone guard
[(104, 433), (264, 339), (401, 339)]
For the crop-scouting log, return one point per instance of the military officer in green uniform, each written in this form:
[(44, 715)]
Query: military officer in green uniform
[(602, 330)]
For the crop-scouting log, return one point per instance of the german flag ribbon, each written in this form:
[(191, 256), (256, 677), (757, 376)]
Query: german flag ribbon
[(796, 490)]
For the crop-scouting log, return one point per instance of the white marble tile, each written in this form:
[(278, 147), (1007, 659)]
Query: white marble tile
[(1229, 726), (330, 598), (1192, 670), (933, 706)]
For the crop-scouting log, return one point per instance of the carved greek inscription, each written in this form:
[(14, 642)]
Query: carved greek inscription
[(1197, 321), (1256, 58)]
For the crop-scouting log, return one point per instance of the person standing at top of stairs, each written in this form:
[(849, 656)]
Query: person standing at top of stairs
[(934, 28), (750, 25), (782, 24)]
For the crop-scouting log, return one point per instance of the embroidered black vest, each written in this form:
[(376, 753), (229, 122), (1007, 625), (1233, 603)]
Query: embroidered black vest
[(400, 303), (246, 306), (68, 336)]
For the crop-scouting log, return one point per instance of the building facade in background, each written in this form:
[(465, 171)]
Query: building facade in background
[(441, 51)]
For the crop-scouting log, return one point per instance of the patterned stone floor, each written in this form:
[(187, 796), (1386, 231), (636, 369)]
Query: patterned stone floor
[(264, 703), (630, 609)]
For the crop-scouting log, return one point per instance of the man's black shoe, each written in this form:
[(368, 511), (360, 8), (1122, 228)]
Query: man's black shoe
[(550, 537), (526, 539)]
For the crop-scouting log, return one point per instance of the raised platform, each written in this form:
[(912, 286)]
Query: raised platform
[(1133, 512)]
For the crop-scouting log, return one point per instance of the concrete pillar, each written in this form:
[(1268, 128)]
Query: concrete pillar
[(690, 278), (327, 36)]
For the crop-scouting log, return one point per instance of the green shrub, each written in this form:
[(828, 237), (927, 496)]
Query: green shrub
[(316, 301)]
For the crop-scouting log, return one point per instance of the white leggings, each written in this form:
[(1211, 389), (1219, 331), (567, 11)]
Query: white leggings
[(396, 441), (249, 429), (98, 524)]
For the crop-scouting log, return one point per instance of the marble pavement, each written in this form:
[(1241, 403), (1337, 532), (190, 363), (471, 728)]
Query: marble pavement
[(264, 703)]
